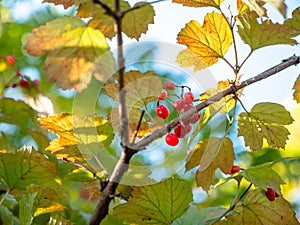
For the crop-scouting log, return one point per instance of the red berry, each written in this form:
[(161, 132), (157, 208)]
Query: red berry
[(180, 131), (36, 82), (14, 85), (170, 86), (172, 139), (234, 169), (18, 73), (179, 104), (188, 107), (271, 194), (163, 95), (194, 119), (188, 98), (24, 83), (162, 111), (11, 60)]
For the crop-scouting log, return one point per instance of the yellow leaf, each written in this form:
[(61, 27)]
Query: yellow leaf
[(79, 139), (242, 7), (200, 3), (75, 52), (257, 6), (297, 90), (258, 35), (208, 42)]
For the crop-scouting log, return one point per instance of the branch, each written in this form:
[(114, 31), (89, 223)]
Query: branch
[(108, 10), (123, 163)]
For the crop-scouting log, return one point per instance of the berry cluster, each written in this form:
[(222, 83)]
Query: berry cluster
[(183, 104)]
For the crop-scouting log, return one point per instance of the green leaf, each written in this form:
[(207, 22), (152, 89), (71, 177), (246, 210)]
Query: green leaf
[(6, 216), (296, 87), (79, 139), (200, 3), (109, 220), (263, 176), (266, 120), (208, 42), (257, 209), (210, 154), (159, 203), (294, 22), (258, 35), (26, 167), (26, 208), (80, 175), (75, 52)]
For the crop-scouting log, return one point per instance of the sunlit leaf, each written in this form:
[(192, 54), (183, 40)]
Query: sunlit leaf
[(79, 139), (265, 121), (210, 154), (200, 3), (297, 90), (135, 22), (74, 52), (294, 22), (258, 35), (263, 176), (208, 42), (257, 209), (159, 203), (242, 7), (26, 167), (80, 175), (26, 207)]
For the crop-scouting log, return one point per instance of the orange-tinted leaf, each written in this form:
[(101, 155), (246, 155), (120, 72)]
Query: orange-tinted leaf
[(65, 3), (258, 35), (257, 209), (242, 7), (210, 154), (297, 90), (79, 139), (208, 42), (200, 3), (75, 52)]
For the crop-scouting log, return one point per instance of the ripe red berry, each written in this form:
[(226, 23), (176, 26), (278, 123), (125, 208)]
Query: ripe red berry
[(163, 95), (172, 139), (36, 82), (23, 83), (188, 98), (188, 107), (162, 111), (14, 85), (11, 60), (179, 104), (180, 131), (271, 194), (170, 86), (234, 169), (194, 119)]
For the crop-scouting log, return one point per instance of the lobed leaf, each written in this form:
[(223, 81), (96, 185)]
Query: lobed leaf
[(200, 3), (266, 120), (159, 203), (208, 42), (75, 52), (25, 167), (263, 176), (79, 139), (296, 87), (210, 154), (294, 22), (257, 209), (258, 35)]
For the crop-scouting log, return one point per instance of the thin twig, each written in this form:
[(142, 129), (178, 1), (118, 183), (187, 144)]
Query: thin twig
[(138, 126), (107, 9)]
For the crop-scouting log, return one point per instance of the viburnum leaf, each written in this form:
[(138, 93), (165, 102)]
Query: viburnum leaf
[(79, 139), (294, 22), (266, 120), (135, 22), (65, 3), (210, 154), (160, 203), (257, 209), (200, 3), (80, 175), (297, 90), (74, 52), (44, 201), (263, 176), (257, 6), (208, 42), (258, 35), (25, 167), (26, 208)]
